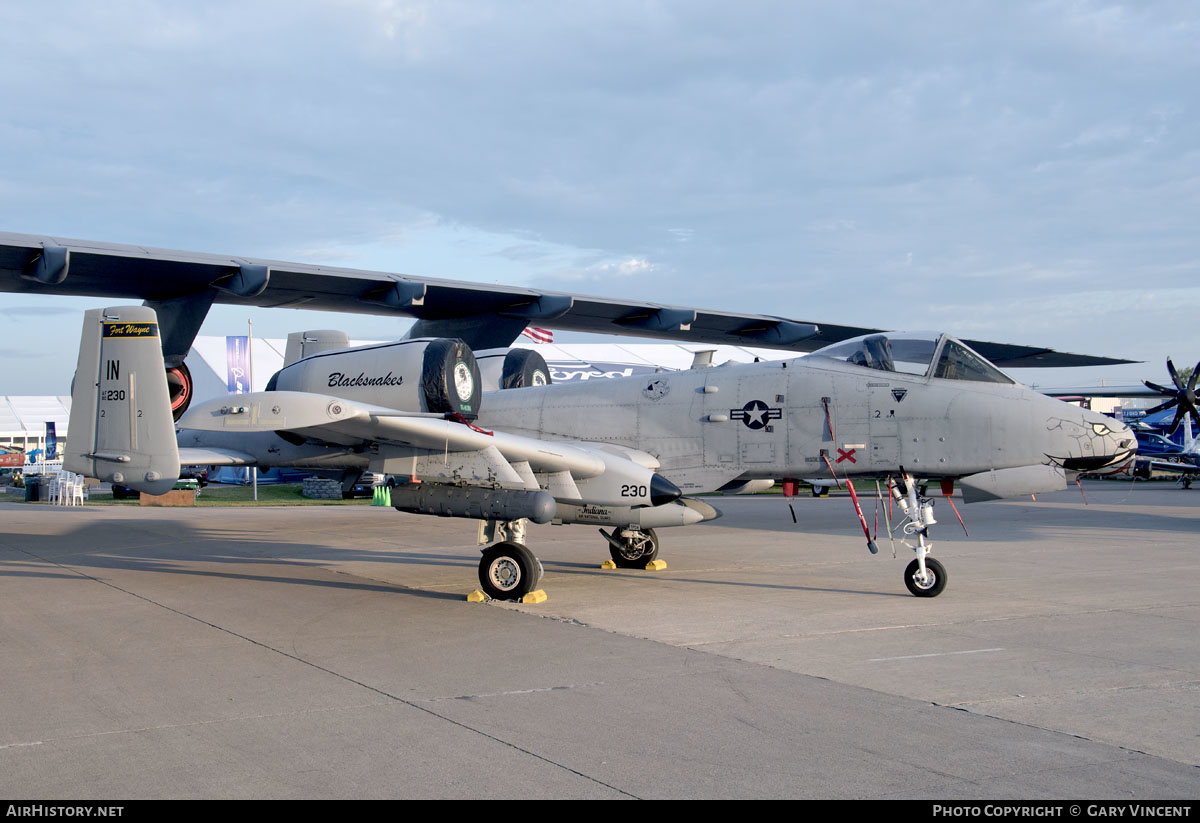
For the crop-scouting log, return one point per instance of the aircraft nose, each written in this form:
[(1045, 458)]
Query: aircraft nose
[(663, 490), (1125, 444), (1105, 443), (1118, 445)]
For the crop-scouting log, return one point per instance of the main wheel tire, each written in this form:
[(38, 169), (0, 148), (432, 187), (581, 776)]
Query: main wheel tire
[(820, 491), (508, 571), (524, 367), (639, 550), (932, 587)]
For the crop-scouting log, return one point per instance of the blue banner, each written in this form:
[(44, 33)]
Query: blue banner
[(237, 364), (51, 441)]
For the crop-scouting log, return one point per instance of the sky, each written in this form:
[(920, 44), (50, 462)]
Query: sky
[(1023, 172)]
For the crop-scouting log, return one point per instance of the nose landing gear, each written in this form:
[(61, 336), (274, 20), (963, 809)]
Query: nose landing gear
[(924, 577)]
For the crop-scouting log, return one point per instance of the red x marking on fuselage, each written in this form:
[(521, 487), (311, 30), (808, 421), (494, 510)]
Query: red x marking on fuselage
[(846, 455)]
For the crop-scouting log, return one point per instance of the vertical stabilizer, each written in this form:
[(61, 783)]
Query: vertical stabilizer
[(121, 428)]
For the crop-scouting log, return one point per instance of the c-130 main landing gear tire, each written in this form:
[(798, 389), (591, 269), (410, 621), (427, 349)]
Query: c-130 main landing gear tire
[(508, 571)]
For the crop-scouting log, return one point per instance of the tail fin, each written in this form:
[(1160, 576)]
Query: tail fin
[(121, 428)]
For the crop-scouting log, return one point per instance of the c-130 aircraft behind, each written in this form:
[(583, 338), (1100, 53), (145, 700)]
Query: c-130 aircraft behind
[(905, 409)]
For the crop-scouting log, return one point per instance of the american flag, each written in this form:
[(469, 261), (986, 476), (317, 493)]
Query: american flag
[(538, 335)]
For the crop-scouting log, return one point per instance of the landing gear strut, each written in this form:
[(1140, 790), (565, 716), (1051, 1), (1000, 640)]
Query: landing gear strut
[(632, 548), (924, 577)]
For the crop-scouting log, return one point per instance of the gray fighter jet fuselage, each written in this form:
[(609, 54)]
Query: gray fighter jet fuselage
[(710, 427)]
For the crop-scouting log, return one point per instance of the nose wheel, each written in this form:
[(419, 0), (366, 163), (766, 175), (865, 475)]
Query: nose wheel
[(929, 585)]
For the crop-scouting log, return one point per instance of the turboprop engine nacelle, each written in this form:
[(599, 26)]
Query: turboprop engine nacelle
[(437, 375)]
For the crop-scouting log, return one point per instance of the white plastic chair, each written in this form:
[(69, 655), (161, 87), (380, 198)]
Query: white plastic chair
[(76, 492), (52, 487)]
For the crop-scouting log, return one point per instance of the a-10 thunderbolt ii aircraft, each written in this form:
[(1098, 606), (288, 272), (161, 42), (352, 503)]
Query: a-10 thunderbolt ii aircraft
[(625, 453)]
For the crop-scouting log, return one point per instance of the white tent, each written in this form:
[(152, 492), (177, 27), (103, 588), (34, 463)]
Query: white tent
[(23, 419)]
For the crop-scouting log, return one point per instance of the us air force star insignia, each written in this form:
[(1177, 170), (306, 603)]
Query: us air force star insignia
[(899, 394), (755, 414), (657, 389)]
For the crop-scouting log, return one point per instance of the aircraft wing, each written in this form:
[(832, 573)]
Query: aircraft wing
[(1077, 392), (437, 449), (483, 315)]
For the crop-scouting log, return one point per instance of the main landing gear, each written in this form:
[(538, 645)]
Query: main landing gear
[(508, 570), (632, 548)]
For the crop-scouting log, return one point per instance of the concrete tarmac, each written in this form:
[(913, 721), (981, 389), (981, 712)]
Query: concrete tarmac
[(328, 652)]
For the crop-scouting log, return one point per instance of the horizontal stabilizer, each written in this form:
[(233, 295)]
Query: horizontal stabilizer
[(214, 457), (268, 411)]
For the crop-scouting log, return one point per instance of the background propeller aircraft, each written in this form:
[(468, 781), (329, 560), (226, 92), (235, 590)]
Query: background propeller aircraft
[(1181, 397), (624, 453)]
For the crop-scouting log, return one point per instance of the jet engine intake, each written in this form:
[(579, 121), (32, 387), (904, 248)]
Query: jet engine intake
[(179, 388)]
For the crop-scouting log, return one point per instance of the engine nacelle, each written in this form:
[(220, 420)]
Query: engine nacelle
[(179, 388), (512, 369), (437, 375)]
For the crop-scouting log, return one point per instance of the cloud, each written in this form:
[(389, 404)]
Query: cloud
[(802, 151), (20, 354), (39, 310), (625, 268), (602, 272)]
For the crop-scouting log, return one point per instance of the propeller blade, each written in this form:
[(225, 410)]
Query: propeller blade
[(1179, 414), (1159, 389), (1163, 407), (1174, 374), (1192, 382)]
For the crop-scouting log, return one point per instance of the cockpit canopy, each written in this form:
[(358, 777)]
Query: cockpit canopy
[(918, 353)]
